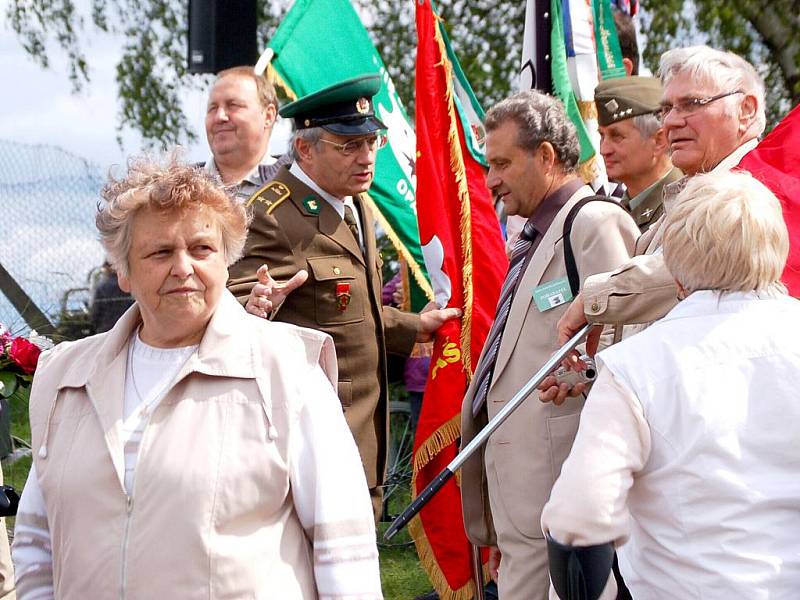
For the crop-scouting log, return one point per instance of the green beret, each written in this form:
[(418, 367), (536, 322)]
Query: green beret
[(344, 108), (626, 97)]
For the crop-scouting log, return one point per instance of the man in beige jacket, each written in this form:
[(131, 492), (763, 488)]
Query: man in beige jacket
[(713, 113), (532, 150)]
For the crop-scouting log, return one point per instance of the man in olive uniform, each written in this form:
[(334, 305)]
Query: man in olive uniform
[(312, 225), (633, 144)]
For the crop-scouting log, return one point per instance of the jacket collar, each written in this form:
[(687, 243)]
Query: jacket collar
[(328, 222), (227, 349)]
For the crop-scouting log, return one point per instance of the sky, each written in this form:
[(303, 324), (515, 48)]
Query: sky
[(39, 106)]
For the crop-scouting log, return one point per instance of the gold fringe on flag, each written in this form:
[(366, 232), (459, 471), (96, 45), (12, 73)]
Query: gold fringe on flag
[(459, 171), (273, 76), (447, 434), (401, 248), (428, 559), (588, 109)]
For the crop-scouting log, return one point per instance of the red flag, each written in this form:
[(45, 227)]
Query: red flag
[(775, 162), (464, 254)]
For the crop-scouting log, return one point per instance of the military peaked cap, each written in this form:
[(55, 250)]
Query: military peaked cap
[(626, 97), (344, 108)]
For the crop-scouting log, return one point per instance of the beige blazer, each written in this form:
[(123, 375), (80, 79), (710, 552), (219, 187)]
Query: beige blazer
[(523, 457), (643, 290)]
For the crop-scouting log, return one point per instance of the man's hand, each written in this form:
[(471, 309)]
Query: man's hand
[(267, 295), (494, 562), (552, 391), (568, 325), (431, 318)]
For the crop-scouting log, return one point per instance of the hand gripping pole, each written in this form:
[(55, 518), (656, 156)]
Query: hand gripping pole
[(434, 486)]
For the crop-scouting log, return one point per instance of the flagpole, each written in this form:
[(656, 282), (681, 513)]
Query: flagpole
[(477, 572), (444, 476)]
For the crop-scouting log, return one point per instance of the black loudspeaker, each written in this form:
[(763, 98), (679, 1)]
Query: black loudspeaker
[(222, 34)]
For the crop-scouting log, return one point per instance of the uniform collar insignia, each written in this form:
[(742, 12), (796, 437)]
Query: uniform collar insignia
[(311, 204)]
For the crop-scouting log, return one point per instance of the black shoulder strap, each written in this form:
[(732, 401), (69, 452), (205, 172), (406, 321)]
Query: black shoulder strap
[(569, 255)]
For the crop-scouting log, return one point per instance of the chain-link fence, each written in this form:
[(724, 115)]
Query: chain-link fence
[(49, 251)]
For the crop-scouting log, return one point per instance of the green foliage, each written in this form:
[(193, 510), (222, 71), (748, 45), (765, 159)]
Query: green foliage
[(486, 35), (766, 34)]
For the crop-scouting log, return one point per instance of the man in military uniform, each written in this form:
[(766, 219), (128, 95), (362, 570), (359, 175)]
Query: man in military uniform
[(241, 112), (312, 225), (633, 144)]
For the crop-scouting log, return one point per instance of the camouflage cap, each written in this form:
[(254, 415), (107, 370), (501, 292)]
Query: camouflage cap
[(626, 97), (344, 108)]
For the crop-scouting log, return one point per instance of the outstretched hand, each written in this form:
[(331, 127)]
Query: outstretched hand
[(431, 318), (267, 295)]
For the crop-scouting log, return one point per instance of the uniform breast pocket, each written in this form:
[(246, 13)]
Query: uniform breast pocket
[(338, 299)]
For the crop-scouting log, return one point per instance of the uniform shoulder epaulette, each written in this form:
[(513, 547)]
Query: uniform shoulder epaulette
[(270, 195)]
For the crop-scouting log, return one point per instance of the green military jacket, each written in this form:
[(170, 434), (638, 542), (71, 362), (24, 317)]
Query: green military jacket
[(294, 228), (648, 206)]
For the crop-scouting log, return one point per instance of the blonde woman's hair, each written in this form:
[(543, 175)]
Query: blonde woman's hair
[(726, 232), (165, 184)]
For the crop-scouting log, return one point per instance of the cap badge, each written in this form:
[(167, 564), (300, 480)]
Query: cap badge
[(362, 105), (612, 106)]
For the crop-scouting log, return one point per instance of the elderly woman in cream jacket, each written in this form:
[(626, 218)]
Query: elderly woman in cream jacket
[(193, 451), (688, 452)]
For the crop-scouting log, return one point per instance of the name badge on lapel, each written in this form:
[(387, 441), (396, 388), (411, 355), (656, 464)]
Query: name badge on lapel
[(342, 296), (551, 294)]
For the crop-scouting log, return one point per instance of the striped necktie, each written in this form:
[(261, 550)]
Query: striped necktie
[(483, 374), (350, 221)]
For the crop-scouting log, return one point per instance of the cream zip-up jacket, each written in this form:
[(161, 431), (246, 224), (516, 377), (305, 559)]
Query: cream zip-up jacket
[(214, 508)]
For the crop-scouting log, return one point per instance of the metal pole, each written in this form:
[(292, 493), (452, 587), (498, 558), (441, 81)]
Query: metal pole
[(444, 476), (477, 572)]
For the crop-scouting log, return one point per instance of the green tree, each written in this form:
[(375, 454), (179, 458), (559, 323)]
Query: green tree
[(485, 34), (765, 33)]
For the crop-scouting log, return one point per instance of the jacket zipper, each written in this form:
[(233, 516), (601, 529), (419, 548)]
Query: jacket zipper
[(123, 581)]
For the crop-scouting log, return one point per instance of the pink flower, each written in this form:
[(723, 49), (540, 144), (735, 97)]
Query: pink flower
[(25, 354)]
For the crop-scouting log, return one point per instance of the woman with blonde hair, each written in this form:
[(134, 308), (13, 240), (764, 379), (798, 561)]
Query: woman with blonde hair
[(687, 456)]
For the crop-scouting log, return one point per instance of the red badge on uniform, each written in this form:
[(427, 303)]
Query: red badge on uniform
[(342, 296)]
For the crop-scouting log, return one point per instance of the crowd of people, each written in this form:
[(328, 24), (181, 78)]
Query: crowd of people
[(227, 437)]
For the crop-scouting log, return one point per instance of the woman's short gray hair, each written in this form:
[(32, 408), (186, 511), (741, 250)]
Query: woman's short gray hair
[(540, 118), (725, 70), (169, 185), (726, 232), (312, 135)]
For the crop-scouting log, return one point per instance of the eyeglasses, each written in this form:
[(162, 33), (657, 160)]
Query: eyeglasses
[(373, 143), (692, 105)]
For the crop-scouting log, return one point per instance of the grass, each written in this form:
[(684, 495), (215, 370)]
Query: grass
[(402, 576)]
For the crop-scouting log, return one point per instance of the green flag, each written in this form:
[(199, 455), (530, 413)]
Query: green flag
[(322, 42)]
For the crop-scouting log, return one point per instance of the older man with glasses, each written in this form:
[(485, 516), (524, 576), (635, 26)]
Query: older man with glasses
[(712, 110), (312, 229)]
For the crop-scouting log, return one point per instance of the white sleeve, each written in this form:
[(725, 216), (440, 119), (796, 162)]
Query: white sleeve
[(31, 551), (330, 494), (588, 503)]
